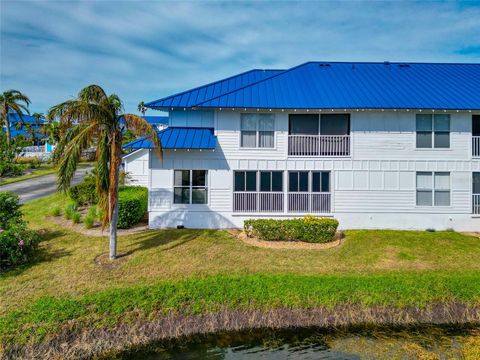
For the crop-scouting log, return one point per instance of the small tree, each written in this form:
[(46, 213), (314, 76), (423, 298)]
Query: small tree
[(12, 101), (142, 108), (97, 119)]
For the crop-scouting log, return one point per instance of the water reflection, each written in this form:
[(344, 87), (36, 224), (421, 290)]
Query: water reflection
[(312, 343)]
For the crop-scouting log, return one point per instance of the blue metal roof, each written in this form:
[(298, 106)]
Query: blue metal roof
[(179, 138), (191, 97), (27, 119), (345, 85), (155, 120)]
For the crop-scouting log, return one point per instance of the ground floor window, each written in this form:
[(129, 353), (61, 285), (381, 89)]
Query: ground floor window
[(190, 187), (476, 193), (433, 188), (309, 191)]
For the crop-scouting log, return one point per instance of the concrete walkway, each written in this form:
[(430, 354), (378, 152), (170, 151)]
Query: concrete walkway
[(41, 186)]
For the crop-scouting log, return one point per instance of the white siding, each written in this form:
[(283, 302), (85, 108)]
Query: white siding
[(192, 118), (137, 168), (374, 187)]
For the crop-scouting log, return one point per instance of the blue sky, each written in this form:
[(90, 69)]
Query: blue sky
[(144, 50)]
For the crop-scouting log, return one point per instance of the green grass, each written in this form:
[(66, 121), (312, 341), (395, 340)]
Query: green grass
[(193, 271), (44, 169)]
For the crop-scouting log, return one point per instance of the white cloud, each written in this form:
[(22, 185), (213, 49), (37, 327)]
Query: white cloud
[(145, 50)]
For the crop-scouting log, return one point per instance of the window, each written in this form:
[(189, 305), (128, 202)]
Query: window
[(298, 181), (433, 131), (190, 187), (271, 181), (245, 181), (433, 189), (257, 131)]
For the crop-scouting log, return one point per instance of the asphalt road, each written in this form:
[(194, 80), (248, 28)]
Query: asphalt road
[(41, 186)]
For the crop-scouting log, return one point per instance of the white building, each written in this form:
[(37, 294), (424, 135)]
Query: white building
[(375, 145)]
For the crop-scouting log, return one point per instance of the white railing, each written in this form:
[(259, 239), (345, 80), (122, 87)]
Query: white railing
[(309, 202), (34, 149), (319, 145), (476, 146), (273, 202), (476, 204), (252, 201)]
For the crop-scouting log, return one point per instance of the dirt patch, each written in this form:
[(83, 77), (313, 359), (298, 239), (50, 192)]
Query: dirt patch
[(254, 241), (79, 342), (96, 230), (393, 257)]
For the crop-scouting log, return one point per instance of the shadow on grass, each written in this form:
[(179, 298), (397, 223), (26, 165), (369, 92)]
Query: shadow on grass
[(167, 239), (41, 255)]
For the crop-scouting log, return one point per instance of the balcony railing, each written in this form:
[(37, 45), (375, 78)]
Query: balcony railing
[(476, 146), (319, 145), (476, 204), (273, 202), (252, 201), (309, 203)]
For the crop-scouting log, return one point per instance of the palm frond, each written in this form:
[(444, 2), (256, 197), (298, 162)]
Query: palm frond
[(141, 127)]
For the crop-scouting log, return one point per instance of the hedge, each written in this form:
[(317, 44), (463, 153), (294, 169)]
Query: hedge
[(308, 229), (132, 205), (84, 193)]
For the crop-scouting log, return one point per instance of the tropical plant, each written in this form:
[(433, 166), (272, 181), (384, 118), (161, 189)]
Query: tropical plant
[(12, 101), (95, 119), (52, 130), (142, 108)]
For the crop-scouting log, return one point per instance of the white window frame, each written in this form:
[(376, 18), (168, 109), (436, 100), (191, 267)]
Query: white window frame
[(433, 131), (191, 187), (433, 188), (257, 133)]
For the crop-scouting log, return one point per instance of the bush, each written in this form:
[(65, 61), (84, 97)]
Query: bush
[(132, 205), (17, 243), (70, 209), (89, 219), (309, 229), (76, 217), (84, 193), (56, 211), (9, 209)]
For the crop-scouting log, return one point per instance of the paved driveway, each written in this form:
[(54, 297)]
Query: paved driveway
[(36, 188)]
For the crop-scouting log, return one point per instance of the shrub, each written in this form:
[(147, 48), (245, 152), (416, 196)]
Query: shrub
[(9, 209), (309, 229), (89, 219), (70, 208), (76, 217), (17, 243), (132, 205), (84, 193), (56, 211)]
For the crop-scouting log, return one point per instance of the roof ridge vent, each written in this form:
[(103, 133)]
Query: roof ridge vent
[(386, 63), (324, 64), (404, 65)]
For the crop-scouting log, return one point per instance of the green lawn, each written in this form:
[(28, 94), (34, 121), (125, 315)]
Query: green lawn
[(195, 271), (42, 170)]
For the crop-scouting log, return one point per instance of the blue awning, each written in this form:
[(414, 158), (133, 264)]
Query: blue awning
[(179, 138)]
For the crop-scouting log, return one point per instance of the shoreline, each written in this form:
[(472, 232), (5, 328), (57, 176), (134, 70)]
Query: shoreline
[(76, 341)]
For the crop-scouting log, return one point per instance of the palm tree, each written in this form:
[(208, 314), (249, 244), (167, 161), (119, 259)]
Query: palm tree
[(96, 119), (37, 117), (142, 108), (12, 101)]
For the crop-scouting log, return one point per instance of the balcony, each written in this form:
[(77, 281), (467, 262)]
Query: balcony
[(319, 145), (476, 146), (258, 202), (476, 204), (273, 202)]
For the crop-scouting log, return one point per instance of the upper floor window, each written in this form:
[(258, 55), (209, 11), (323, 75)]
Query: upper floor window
[(257, 131), (190, 187), (433, 188), (433, 131)]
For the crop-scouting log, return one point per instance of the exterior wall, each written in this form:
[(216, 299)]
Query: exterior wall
[(375, 187), (198, 118), (136, 165)]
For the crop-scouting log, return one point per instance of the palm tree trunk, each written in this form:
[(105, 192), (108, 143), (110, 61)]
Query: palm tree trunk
[(114, 218), (7, 123)]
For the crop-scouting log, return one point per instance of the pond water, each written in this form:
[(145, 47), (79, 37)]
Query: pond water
[(312, 343)]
